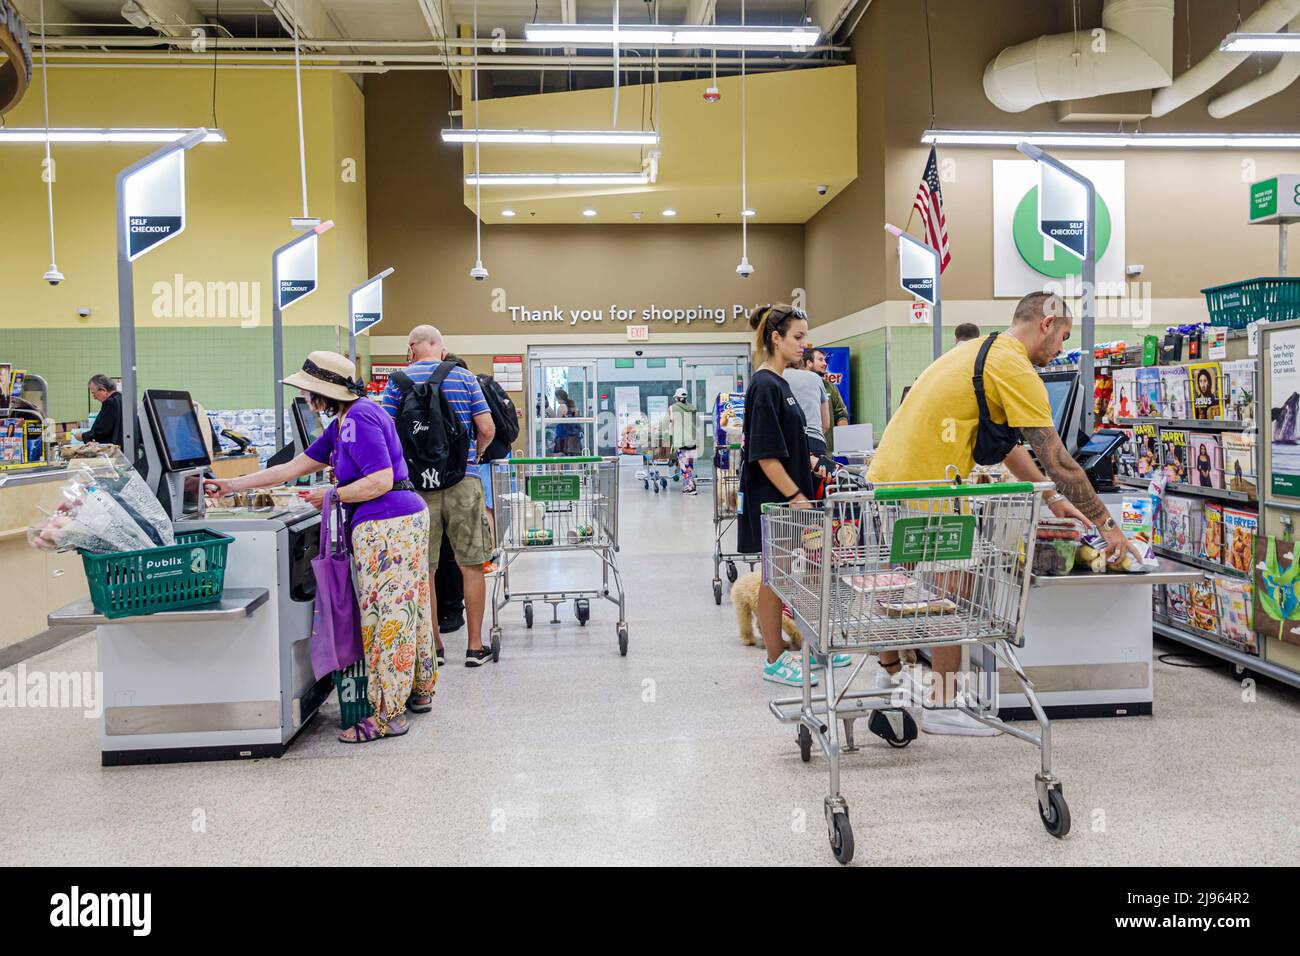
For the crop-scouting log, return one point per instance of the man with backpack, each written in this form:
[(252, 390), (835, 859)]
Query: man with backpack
[(445, 425)]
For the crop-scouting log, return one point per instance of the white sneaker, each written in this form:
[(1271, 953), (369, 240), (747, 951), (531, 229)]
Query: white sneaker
[(954, 722)]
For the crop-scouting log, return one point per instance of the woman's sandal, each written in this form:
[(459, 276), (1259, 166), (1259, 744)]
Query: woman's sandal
[(419, 703), (364, 731)]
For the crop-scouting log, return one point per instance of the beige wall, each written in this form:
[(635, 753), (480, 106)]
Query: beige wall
[(1185, 211), (419, 224)]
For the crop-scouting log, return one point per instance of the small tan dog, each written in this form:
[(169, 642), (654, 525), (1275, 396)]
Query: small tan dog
[(744, 594)]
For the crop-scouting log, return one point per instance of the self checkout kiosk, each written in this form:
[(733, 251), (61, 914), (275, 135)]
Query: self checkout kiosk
[(307, 428), (222, 681)]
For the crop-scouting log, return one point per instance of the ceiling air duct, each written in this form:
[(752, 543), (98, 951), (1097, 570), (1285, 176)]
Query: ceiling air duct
[(1135, 53)]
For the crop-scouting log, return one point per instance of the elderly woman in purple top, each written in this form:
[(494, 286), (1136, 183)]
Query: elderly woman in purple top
[(389, 530)]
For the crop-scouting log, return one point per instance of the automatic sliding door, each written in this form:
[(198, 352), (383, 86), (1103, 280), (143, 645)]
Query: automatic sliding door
[(564, 407)]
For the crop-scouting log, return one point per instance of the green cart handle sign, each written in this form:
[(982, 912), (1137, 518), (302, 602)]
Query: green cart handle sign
[(949, 538), (554, 487)]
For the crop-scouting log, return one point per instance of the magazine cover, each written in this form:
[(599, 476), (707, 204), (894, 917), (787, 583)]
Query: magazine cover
[(1127, 457), (1146, 442), (1239, 529), (1176, 601), (1173, 454), (1203, 607), (1236, 605), (1212, 532), (1277, 590), (1159, 601), (1206, 397), (1148, 392), (1205, 459), (1239, 462), (1238, 389), (1181, 525), (1174, 383), (1124, 393)]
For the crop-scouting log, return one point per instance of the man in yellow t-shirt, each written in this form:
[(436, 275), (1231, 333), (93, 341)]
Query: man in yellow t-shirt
[(934, 431)]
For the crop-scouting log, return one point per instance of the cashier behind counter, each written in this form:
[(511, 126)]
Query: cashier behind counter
[(106, 429)]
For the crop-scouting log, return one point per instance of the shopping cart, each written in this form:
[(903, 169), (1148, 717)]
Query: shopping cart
[(548, 505), (914, 565), (660, 465), (726, 496)]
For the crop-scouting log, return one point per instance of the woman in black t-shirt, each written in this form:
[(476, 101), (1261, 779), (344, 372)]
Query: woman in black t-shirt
[(777, 465)]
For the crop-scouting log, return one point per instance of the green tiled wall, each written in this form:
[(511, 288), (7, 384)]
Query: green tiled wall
[(221, 367)]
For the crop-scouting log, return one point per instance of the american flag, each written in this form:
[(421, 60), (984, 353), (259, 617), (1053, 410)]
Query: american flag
[(929, 203)]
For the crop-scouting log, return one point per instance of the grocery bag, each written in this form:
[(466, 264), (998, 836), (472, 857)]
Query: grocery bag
[(336, 621)]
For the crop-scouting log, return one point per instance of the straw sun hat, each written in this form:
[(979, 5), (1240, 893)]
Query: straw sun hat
[(328, 374)]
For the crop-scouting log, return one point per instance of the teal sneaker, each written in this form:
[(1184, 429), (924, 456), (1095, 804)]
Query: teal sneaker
[(837, 660), (788, 670)]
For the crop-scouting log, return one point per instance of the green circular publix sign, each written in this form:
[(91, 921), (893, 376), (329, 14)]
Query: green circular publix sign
[(1029, 241)]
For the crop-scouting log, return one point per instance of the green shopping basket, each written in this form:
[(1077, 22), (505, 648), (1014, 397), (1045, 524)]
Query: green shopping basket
[(189, 573), (354, 699), (1270, 299)]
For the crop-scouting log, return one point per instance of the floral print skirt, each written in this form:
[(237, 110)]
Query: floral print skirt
[(391, 558)]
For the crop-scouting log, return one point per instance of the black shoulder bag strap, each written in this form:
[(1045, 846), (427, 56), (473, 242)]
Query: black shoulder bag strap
[(403, 382), (977, 379), (993, 440)]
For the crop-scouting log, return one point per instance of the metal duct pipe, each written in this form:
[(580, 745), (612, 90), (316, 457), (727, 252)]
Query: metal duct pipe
[(1267, 19), (1137, 55)]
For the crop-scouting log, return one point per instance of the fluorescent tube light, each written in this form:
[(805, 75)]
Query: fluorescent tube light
[(647, 34), (1261, 43), (13, 134), (558, 179), (939, 137), (594, 137)]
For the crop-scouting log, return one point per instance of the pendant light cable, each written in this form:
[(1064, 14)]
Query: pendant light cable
[(744, 160), (297, 76), (615, 126), (478, 272), (49, 164), (216, 45)]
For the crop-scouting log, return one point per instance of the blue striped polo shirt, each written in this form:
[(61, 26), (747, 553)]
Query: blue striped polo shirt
[(462, 391)]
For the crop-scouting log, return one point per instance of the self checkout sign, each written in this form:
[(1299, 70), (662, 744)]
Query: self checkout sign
[(367, 305), (916, 269), (1062, 209), (295, 270), (154, 203)]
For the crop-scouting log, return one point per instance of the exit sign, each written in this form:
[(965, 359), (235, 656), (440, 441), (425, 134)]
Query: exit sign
[(638, 333)]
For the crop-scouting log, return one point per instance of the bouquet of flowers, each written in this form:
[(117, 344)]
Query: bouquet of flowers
[(103, 507)]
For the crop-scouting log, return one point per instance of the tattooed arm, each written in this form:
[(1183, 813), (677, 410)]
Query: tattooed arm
[(1073, 483)]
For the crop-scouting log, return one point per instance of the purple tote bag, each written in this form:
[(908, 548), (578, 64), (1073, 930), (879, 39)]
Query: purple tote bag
[(336, 620)]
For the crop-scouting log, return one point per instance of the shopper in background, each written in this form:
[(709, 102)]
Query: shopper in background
[(457, 509), (504, 416), (107, 426), (810, 392), (684, 437), (814, 360), (935, 430), (965, 332), (389, 533), (777, 464)]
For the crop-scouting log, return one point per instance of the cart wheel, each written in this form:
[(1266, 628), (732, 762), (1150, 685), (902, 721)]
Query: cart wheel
[(528, 614), (717, 592), (655, 485), (841, 836), (731, 571), (805, 744), (880, 725), (664, 483), (622, 640), (582, 609), (646, 484), (496, 644), (1056, 819)]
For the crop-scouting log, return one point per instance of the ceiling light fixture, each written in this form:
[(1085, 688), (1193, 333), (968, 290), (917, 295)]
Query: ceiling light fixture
[(558, 179), (670, 213), (576, 137), (940, 137), (589, 213), (69, 134), (136, 15), (651, 35), (750, 212), (508, 213), (1261, 43)]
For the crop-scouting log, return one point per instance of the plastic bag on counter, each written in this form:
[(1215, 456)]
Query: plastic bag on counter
[(103, 507), (1095, 546)]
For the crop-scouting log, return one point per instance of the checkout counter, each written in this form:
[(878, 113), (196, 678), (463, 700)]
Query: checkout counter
[(220, 681), (1088, 638)]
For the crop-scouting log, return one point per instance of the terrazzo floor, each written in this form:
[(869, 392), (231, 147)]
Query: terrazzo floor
[(566, 753)]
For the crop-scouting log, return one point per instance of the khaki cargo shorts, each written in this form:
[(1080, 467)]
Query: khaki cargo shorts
[(459, 512)]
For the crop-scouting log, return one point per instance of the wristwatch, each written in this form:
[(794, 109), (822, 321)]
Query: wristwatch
[(1107, 525)]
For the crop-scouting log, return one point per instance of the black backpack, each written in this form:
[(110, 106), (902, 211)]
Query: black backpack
[(434, 442), (504, 417)]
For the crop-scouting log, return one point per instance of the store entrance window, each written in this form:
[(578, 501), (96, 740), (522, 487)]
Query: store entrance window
[(564, 419), (634, 396)]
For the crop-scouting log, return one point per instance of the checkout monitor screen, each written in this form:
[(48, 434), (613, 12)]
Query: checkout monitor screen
[(1061, 388), (176, 429), (306, 421)]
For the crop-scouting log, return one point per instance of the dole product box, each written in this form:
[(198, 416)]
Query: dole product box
[(1137, 515)]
